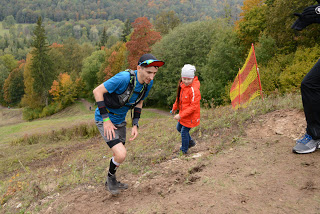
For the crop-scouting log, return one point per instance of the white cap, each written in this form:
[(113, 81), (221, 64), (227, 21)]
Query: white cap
[(188, 71)]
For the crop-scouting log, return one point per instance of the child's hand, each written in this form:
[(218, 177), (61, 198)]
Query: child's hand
[(177, 117), (172, 112)]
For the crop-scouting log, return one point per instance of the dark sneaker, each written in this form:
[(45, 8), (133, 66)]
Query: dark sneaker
[(306, 145), (192, 143), (112, 185)]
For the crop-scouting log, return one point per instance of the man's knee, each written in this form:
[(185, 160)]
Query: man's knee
[(120, 156)]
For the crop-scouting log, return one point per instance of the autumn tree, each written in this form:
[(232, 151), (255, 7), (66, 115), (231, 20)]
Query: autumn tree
[(64, 90), (142, 38), (41, 66), (166, 21), (115, 61), (30, 98), (13, 87)]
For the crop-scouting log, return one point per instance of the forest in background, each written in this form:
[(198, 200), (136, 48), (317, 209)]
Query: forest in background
[(28, 11), (46, 66)]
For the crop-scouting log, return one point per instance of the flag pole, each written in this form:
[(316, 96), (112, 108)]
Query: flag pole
[(257, 69), (239, 88)]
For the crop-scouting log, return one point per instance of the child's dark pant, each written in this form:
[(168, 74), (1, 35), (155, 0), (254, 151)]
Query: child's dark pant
[(185, 137)]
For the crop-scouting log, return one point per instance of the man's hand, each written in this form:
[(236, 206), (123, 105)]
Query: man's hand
[(134, 133), (177, 117), (109, 128), (309, 15)]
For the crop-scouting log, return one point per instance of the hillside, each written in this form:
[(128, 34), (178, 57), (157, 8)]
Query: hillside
[(258, 174), (236, 167)]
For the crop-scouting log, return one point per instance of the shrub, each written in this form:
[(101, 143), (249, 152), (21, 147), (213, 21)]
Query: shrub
[(293, 74), (31, 114)]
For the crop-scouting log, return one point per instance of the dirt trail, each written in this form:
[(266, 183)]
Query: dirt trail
[(258, 174), (87, 104)]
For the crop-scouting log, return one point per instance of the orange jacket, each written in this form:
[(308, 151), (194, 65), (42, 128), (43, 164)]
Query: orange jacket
[(189, 104)]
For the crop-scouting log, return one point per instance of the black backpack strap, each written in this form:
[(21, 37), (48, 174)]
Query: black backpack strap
[(141, 95), (116, 101)]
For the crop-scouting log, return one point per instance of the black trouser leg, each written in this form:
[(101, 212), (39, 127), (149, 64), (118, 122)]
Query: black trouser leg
[(310, 92)]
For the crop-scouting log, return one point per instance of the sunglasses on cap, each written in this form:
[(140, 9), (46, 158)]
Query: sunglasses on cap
[(151, 62), (147, 62)]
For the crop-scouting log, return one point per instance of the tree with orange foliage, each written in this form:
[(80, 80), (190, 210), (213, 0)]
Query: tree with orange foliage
[(116, 61), (30, 98), (142, 38), (64, 91)]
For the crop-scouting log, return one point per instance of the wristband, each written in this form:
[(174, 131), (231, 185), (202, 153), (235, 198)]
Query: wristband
[(102, 107), (136, 112), (106, 119), (135, 122)]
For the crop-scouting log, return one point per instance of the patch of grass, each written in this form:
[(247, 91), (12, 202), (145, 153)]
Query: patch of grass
[(225, 116), (71, 116), (85, 130)]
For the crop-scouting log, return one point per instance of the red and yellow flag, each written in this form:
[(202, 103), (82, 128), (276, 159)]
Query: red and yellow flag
[(246, 85)]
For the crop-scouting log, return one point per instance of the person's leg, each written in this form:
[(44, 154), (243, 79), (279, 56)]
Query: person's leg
[(192, 143), (185, 138), (117, 147), (310, 92), (179, 127), (119, 154)]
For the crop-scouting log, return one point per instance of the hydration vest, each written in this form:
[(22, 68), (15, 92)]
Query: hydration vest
[(117, 101)]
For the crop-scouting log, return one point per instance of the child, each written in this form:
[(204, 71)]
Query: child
[(188, 103)]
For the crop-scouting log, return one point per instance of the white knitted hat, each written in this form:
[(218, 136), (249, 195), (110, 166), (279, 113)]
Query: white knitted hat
[(188, 71)]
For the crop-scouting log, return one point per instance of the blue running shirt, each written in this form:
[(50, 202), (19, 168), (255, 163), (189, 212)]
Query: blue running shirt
[(118, 84)]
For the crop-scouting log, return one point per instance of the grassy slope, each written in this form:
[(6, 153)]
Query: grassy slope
[(30, 172), (19, 128)]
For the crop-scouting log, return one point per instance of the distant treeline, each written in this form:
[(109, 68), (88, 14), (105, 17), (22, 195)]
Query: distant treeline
[(27, 11)]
